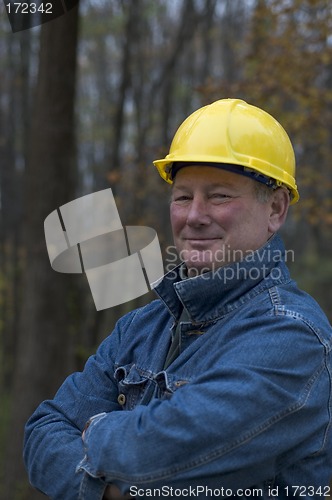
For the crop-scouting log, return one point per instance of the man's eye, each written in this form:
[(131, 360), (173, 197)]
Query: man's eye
[(219, 196), (181, 199)]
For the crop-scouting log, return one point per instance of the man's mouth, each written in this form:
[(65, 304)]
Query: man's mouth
[(201, 242), (194, 238)]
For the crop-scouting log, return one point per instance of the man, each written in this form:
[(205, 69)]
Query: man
[(222, 386)]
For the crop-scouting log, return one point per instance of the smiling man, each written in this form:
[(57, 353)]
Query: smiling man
[(218, 217), (222, 386)]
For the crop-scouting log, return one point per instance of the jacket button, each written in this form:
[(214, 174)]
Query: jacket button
[(121, 399)]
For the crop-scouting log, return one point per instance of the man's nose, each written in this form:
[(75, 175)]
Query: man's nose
[(198, 213)]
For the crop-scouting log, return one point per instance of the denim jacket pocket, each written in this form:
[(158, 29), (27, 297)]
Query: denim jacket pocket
[(138, 386), (132, 385)]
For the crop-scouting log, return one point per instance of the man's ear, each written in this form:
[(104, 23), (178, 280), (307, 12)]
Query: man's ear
[(279, 204)]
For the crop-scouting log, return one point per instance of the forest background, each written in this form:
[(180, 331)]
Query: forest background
[(87, 102)]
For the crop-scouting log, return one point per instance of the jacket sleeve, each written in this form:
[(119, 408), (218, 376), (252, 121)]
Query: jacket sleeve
[(53, 434), (260, 405)]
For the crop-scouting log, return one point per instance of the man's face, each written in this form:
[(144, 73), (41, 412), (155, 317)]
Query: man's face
[(216, 217)]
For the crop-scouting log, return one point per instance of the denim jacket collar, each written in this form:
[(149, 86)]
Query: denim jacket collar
[(211, 295)]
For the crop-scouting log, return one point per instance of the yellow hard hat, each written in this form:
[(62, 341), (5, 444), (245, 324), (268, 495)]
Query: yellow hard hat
[(234, 133)]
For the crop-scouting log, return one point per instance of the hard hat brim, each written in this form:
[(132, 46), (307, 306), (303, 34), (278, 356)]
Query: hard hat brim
[(164, 167)]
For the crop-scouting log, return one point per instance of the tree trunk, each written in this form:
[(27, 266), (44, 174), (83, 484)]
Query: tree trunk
[(43, 339)]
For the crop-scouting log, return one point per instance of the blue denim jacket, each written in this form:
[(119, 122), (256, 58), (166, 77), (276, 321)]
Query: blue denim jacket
[(244, 410)]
